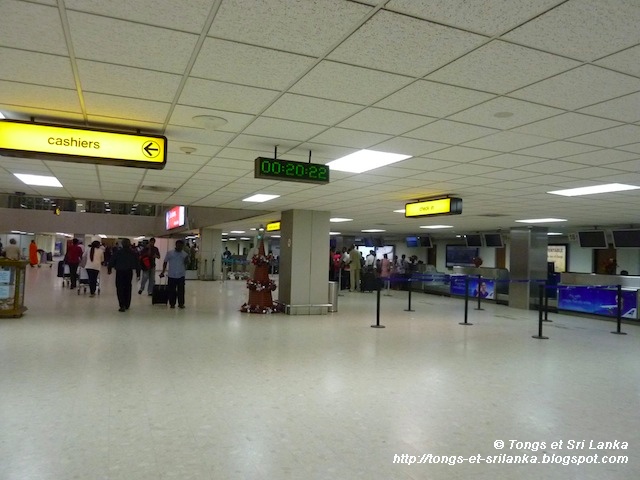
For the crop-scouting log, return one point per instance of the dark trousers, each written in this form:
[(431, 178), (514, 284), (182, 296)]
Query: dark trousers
[(93, 279), (176, 290), (123, 287), (73, 274)]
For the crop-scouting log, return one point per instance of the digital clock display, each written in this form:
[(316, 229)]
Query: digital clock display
[(277, 169)]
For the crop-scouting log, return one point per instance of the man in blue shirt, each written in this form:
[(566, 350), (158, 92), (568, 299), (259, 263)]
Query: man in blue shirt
[(177, 261)]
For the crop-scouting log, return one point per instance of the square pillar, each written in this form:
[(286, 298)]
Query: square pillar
[(528, 261)]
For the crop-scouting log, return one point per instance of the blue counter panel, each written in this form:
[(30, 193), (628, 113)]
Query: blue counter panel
[(487, 289), (598, 301)]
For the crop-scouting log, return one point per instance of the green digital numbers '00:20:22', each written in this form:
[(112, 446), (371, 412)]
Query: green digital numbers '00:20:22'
[(277, 169)]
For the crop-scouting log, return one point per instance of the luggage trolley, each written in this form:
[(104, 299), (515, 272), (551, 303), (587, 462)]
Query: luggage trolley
[(83, 281), (64, 273)]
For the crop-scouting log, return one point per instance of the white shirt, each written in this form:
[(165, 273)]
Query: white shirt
[(98, 258)]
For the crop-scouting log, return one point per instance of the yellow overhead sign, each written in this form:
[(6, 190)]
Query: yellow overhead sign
[(24, 139), (273, 226), (441, 206)]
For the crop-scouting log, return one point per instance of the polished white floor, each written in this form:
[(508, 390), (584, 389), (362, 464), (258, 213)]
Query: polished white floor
[(207, 392)]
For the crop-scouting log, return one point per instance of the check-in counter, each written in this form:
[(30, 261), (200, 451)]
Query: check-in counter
[(598, 294), (495, 280)]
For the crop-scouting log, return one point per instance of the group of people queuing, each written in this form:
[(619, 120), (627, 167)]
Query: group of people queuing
[(348, 265)]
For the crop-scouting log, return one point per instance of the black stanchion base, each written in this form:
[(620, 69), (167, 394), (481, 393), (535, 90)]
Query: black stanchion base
[(478, 308), (619, 333), (541, 337), (378, 326), (548, 321), (465, 323), (406, 310)]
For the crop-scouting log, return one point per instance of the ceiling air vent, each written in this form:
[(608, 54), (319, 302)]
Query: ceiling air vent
[(157, 189)]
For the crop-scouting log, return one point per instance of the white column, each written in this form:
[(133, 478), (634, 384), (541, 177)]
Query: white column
[(210, 250)]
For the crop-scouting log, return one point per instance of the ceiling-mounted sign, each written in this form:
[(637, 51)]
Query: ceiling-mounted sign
[(428, 208), (50, 142), (273, 227), (277, 169)]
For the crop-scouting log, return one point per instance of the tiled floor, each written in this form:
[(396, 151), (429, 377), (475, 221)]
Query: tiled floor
[(87, 392)]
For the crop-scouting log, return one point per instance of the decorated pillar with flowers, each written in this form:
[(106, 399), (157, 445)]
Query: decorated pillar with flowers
[(260, 285)]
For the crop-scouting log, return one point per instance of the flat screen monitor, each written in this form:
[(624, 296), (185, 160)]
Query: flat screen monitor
[(474, 240), (426, 242), (459, 255), (626, 238), (174, 218), (493, 240), (413, 242), (593, 239)]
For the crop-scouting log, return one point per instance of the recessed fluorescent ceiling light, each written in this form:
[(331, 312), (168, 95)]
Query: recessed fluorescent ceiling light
[(335, 233), (609, 187), (237, 231), (437, 226), (554, 233), (338, 219), (39, 180), (399, 211), (373, 230), (260, 197), (365, 160), (542, 220)]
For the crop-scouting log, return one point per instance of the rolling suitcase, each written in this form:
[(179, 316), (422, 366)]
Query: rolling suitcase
[(368, 281), (160, 294)]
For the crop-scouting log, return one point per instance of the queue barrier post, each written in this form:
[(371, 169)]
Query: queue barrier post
[(479, 295), (408, 309), (619, 315), (377, 325), (546, 303), (466, 302), (540, 294)]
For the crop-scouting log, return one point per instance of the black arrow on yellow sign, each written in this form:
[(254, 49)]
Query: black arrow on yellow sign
[(150, 151)]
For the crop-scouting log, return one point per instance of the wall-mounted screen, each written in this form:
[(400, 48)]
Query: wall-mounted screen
[(174, 218), (474, 240), (593, 239), (459, 255), (426, 242), (413, 242), (626, 238), (493, 240)]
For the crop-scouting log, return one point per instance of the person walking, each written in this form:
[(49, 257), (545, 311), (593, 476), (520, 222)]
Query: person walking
[(92, 260), (124, 261), (12, 252), (148, 257), (176, 260), (33, 254), (73, 258)]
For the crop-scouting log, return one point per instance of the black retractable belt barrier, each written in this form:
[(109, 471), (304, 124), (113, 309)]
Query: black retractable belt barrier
[(540, 336), (408, 309), (546, 303), (466, 302), (479, 296), (618, 332), (377, 325)]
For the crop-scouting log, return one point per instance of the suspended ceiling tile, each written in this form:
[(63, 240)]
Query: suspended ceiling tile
[(32, 27), (625, 109), (433, 99), (462, 154), (580, 87), (507, 141), (226, 96), (557, 149), (309, 28), (309, 109), (417, 48), (489, 17), (601, 157), (126, 125), (523, 112), (385, 121), (36, 68), (510, 160), (427, 165), (509, 174), (626, 61), (634, 147), (131, 44), (349, 138), (187, 16), (276, 128), (446, 131), (500, 67), (183, 116), (585, 30), (335, 81), (112, 106), (613, 137), (124, 81), (408, 146), (566, 125), (245, 64), (199, 135), (547, 167), (591, 173), (23, 95)]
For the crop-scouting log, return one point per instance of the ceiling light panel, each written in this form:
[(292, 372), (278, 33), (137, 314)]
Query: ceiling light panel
[(365, 160), (594, 189)]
